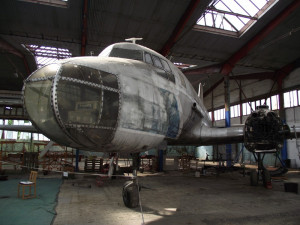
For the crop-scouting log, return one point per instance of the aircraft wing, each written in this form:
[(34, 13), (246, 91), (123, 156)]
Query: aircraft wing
[(22, 128)]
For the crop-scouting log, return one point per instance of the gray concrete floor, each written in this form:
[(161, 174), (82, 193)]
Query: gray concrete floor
[(178, 198)]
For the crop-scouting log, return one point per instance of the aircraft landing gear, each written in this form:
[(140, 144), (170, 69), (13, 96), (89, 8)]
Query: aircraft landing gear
[(131, 188), (261, 174), (131, 194)]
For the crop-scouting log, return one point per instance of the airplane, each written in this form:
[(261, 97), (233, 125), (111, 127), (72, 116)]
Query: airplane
[(132, 99)]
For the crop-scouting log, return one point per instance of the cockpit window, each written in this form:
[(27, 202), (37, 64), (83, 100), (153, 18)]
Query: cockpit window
[(166, 65), (126, 53), (157, 62), (148, 58)]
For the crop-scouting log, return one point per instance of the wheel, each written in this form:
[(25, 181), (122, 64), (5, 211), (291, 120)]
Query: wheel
[(130, 194), (253, 178)]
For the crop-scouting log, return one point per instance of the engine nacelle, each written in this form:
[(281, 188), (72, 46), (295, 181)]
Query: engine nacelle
[(264, 131)]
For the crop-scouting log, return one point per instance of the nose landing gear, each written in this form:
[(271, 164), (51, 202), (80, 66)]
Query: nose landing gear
[(130, 193)]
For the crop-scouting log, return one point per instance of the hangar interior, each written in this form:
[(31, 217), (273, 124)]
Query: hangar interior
[(237, 55)]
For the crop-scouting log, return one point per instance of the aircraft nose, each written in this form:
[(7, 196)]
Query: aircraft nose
[(73, 104)]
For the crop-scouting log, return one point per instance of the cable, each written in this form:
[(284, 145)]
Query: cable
[(58, 171), (140, 201)]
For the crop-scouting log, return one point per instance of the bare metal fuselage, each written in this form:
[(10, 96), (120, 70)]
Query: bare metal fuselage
[(133, 104), (142, 109)]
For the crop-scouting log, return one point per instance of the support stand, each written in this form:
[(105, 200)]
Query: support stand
[(262, 174)]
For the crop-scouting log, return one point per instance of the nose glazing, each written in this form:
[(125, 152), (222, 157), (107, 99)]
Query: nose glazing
[(79, 104)]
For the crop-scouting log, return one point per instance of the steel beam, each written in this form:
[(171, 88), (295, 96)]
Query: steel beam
[(213, 87), (212, 69), (9, 48), (255, 76), (84, 27), (283, 72), (179, 27), (277, 75), (231, 62)]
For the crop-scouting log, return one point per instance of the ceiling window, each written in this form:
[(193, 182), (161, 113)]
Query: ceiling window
[(232, 17), (45, 55), (183, 66), (55, 3)]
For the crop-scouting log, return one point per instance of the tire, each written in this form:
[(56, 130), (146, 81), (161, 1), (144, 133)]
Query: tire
[(253, 178), (130, 194)]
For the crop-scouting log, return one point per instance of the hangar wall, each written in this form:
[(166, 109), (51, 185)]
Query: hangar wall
[(251, 89), (258, 88)]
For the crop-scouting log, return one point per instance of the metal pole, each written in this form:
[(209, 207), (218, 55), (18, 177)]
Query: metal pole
[(227, 118), (77, 161), (160, 160)]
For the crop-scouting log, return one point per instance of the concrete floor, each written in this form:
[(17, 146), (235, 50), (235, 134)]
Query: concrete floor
[(178, 198)]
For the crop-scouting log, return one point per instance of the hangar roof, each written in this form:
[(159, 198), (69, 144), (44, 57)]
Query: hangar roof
[(86, 27)]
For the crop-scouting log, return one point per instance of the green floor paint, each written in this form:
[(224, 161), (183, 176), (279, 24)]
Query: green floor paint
[(36, 211)]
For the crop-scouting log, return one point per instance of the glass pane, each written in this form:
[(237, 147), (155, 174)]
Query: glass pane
[(171, 77), (47, 71), (286, 98), (109, 80), (127, 54), (259, 3), (232, 113), (248, 108), (222, 114), (269, 103), (90, 75), (294, 93), (252, 106), (216, 115), (110, 109), (78, 104), (166, 65), (235, 21), (238, 110), (148, 58), (274, 102), (81, 73), (258, 103), (38, 106), (82, 108), (209, 19), (157, 62)]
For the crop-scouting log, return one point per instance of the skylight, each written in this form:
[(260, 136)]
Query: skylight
[(45, 55), (183, 65), (55, 3), (232, 17)]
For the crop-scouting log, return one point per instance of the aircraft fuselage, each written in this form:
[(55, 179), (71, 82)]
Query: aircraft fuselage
[(113, 103)]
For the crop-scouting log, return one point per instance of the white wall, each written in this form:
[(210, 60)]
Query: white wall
[(292, 116), (255, 88), (251, 89)]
